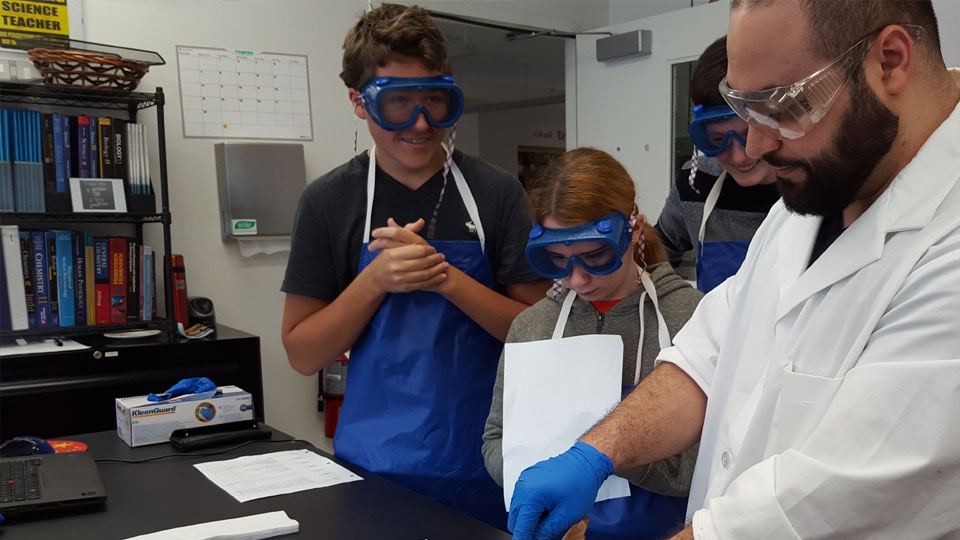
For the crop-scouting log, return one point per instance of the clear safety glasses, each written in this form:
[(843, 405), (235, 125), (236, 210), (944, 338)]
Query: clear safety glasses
[(707, 133), (552, 252), (394, 103), (787, 112)]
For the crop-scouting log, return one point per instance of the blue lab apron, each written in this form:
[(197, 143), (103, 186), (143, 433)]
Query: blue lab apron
[(717, 260), (644, 514), (420, 385)]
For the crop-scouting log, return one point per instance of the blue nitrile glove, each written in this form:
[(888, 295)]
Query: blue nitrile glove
[(554, 494), (195, 385)]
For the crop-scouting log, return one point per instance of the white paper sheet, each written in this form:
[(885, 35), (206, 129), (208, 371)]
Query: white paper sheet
[(43, 346), (553, 392), (254, 527), (255, 477)]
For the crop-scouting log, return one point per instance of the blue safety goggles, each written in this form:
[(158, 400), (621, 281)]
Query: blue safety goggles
[(710, 142), (394, 103), (546, 254)]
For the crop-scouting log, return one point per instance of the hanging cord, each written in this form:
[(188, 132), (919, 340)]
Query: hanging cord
[(447, 162), (693, 171)]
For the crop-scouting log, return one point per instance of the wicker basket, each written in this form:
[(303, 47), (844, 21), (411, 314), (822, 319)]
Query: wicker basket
[(94, 71)]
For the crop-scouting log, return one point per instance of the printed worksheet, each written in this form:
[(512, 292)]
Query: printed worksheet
[(243, 94), (255, 477)]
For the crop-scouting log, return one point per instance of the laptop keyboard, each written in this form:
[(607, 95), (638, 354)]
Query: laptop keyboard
[(18, 479)]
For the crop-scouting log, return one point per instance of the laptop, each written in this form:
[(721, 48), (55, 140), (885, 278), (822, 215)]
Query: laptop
[(48, 483)]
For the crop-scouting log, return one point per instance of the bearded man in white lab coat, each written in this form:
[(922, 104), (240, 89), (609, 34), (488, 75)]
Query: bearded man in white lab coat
[(823, 379)]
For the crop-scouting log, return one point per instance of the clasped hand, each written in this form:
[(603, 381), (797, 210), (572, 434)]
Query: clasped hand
[(406, 261)]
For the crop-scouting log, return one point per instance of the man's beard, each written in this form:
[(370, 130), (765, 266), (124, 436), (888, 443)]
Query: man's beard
[(836, 175)]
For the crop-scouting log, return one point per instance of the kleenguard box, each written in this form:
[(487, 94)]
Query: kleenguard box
[(141, 422)]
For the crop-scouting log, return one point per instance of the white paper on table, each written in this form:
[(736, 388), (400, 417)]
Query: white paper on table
[(554, 391), (254, 527), (255, 477), (41, 347)]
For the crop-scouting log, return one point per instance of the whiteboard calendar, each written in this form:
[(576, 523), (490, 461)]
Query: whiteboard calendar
[(240, 94)]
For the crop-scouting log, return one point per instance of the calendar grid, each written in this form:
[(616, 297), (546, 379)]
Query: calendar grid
[(239, 94)]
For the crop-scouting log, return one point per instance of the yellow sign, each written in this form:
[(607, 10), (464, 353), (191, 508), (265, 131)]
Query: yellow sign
[(32, 19)]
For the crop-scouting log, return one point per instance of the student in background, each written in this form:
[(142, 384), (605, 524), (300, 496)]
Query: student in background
[(606, 277), (705, 211), (425, 300)]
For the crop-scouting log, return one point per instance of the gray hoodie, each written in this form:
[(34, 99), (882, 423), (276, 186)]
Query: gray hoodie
[(677, 300)]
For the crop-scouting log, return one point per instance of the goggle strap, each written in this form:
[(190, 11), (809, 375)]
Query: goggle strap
[(693, 171)]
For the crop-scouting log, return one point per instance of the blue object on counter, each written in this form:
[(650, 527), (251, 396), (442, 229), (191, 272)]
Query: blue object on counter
[(195, 388)]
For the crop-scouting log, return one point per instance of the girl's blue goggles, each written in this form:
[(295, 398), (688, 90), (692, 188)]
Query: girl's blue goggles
[(394, 103), (710, 141), (552, 252)]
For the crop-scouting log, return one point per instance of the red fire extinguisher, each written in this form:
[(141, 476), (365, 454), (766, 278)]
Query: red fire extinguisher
[(334, 387), (180, 312)]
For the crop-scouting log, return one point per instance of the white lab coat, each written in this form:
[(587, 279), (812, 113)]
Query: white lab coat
[(834, 392)]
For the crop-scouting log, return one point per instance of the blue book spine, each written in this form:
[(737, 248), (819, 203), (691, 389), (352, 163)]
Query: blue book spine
[(65, 283), (94, 148), (53, 284), (41, 281), (67, 146), (6, 167), (79, 280), (60, 164)]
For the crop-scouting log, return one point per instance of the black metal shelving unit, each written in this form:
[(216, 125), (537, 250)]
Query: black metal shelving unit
[(25, 95)]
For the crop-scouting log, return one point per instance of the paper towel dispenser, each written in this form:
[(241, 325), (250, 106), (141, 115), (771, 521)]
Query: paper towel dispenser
[(260, 186)]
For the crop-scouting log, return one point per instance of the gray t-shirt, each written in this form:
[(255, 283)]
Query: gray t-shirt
[(328, 229)]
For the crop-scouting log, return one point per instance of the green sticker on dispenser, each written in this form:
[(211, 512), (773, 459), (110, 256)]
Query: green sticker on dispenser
[(244, 227)]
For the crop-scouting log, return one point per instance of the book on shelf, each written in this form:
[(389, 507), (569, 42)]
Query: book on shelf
[(82, 133), (30, 289), (101, 278), (133, 281), (94, 148), (14, 291), (27, 164), (53, 281), (118, 280), (105, 137), (41, 281), (61, 149), (79, 261), (6, 161), (66, 287), (89, 278)]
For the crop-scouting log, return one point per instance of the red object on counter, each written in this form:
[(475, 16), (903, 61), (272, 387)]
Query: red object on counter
[(180, 312)]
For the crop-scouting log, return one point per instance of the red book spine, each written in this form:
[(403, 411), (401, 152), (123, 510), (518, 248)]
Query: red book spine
[(118, 280)]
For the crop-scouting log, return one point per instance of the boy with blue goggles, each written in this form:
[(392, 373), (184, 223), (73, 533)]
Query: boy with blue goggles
[(395, 103), (713, 142), (613, 233)]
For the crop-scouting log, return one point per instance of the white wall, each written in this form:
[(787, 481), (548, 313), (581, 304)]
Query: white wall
[(623, 107)]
